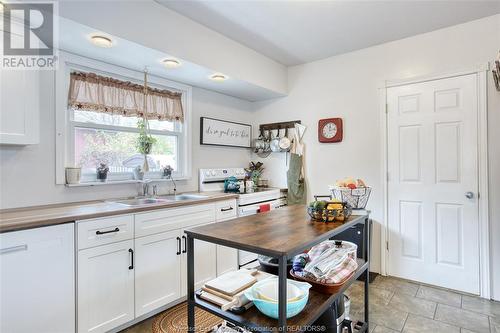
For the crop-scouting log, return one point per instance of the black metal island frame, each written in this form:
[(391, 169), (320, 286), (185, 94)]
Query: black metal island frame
[(281, 234)]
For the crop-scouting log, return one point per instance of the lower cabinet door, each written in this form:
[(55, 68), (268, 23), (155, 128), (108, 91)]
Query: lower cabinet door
[(205, 264), (105, 286), (37, 280), (227, 259), (158, 271)]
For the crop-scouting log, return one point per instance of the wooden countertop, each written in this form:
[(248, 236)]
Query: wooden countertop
[(285, 231), (39, 216)]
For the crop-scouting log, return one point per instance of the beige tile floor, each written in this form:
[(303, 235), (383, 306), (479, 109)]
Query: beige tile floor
[(402, 306)]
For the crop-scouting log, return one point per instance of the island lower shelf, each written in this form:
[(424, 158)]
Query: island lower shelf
[(252, 319)]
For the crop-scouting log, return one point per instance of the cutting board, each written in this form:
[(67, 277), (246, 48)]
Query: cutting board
[(232, 283)]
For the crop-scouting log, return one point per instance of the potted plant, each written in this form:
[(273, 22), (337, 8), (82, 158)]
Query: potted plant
[(254, 171), (145, 142), (102, 172)]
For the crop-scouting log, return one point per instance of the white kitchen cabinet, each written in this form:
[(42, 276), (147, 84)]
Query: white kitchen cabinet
[(110, 294), (157, 271), (227, 258), (105, 286), (37, 280), (19, 104), (205, 263)]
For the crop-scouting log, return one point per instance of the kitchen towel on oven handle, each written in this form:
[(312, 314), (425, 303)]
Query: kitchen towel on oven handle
[(264, 208)]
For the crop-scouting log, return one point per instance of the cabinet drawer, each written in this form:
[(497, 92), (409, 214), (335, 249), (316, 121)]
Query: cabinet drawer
[(171, 219), (106, 230), (225, 210)]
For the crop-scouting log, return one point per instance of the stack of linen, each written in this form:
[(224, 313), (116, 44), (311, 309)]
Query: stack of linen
[(330, 262)]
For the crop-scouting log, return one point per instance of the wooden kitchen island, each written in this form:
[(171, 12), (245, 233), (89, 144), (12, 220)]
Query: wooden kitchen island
[(282, 234)]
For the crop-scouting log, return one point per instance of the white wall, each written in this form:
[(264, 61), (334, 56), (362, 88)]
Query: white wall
[(347, 86), (150, 24), (27, 174)]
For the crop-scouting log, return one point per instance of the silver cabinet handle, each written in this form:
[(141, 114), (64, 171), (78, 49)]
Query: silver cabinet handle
[(14, 249), (469, 195)]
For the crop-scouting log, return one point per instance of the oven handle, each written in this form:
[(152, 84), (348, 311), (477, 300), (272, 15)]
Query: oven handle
[(244, 210)]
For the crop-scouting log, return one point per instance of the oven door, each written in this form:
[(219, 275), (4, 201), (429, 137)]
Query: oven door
[(249, 259)]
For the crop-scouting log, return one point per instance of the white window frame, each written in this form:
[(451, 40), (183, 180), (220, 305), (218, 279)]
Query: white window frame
[(65, 124)]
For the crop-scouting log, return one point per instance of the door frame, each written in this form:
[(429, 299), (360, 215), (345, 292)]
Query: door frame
[(483, 218)]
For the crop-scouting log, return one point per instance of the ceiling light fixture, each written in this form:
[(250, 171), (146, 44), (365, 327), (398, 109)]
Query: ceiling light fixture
[(218, 77), (101, 41), (171, 63)]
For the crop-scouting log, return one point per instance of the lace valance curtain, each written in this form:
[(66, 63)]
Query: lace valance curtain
[(89, 91)]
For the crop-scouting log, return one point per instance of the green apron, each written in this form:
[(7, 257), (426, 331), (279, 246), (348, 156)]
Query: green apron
[(296, 185)]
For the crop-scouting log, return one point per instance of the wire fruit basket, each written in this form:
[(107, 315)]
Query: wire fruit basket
[(357, 198), (319, 211)]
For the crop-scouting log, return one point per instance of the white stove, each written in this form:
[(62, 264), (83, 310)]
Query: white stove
[(250, 201)]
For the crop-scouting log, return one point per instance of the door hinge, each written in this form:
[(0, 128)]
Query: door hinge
[(387, 246), (386, 108), (387, 176)]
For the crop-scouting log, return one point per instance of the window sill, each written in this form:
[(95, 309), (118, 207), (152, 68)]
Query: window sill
[(110, 182), (127, 181)]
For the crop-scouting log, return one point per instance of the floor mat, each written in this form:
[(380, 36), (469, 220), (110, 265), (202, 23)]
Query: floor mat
[(174, 320)]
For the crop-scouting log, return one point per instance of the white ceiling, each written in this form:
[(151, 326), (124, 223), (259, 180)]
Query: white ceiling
[(74, 38), (294, 32)]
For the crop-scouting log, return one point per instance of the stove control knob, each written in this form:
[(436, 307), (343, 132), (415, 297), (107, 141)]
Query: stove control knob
[(213, 173), (207, 173)]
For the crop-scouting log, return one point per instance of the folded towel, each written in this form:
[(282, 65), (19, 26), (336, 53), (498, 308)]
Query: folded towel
[(328, 260), (329, 264)]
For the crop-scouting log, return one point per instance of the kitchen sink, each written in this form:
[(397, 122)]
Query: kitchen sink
[(141, 201), (163, 199), (184, 197)]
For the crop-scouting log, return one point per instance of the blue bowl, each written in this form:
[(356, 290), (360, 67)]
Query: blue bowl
[(270, 308)]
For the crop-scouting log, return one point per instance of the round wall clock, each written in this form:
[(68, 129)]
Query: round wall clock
[(330, 130)]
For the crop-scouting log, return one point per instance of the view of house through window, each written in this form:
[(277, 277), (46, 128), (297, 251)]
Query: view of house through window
[(111, 139)]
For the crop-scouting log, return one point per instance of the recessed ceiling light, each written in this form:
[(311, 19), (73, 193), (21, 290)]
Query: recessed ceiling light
[(171, 63), (218, 77), (101, 41)]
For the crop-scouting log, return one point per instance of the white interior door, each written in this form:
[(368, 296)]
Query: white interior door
[(433, 183)]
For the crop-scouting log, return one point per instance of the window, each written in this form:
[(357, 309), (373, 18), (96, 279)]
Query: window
[(86, 137), (100, 137)]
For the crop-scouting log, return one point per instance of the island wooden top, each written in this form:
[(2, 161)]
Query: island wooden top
[(40, 216), (285, 231)]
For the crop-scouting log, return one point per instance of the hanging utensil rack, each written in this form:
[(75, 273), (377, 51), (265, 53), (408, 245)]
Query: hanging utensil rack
[(278, 126), (274, 126)]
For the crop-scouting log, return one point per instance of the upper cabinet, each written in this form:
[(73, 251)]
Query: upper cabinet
[(19, 105)]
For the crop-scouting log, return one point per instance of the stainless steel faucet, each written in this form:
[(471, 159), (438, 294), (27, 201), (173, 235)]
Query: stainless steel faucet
[(145, 188)]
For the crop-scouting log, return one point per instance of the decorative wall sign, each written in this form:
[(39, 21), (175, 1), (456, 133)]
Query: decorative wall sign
[(225, 133), (330, 130)]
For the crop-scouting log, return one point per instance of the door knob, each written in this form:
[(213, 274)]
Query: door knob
[(469, 195)]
